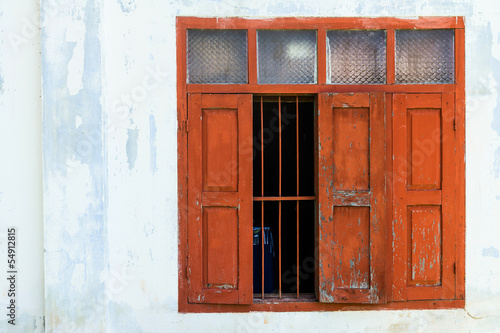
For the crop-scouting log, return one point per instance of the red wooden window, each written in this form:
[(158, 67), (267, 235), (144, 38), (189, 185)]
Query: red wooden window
[(386, 215)]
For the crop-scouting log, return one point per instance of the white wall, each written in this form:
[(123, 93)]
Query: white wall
[(110, 173), (21, 161)]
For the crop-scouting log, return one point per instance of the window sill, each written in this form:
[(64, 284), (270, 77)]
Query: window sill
[(307, 306)]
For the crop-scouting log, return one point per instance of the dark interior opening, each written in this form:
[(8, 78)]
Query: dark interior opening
[(266, 135)]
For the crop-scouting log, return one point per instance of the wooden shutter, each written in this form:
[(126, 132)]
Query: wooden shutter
[(351, 198), (424, 172), (219, 198)]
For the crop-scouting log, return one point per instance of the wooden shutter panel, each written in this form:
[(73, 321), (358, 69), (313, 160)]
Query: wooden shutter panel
[(424, 173), (351, 198), (220, 199)]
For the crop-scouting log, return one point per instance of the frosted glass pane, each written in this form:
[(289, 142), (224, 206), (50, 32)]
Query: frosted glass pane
[(425, 56), (217, 56), (356, 57), (286, 56)]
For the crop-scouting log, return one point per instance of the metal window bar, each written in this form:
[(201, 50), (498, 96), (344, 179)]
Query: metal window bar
[(262, 186), (279, 202), (297, 154), (297, 198)]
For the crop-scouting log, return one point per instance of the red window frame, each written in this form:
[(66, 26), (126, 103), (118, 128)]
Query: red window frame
[(455, 90)]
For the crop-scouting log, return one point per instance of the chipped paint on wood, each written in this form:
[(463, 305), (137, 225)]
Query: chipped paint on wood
[(351, 194), (424, 241)]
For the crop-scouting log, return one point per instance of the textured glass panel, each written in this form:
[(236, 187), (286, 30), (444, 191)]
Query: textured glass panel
[(356, 56), (425, 56), (286, 56), (217, 56)]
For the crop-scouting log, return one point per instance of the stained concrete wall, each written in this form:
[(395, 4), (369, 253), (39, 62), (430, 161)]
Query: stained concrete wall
[(102, 254)]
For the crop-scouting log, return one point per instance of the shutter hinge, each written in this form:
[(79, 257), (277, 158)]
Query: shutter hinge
[(183, 126), (455, 124), (188, 273), (455, 268)]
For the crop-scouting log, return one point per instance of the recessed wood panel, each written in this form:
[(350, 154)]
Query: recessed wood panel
[(351, 149), (425, 245), (220, 247), (351, 266), (220, 150), (424, 148)]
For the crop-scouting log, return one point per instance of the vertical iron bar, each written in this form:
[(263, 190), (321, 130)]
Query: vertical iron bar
[(297, 155), (262, 189), (279, 190)]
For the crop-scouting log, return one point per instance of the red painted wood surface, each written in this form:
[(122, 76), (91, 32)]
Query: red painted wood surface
[(220, 247), (425, 234), (252, 56), (182, 165), (389, 190), (351, 244), (351, 261), (424, 150), (460, 160), (219, 199), (302, 305), (321, 22), (390, 54), (315, 88), (322, 57), (220, 150), (424, 170), (351, 149)]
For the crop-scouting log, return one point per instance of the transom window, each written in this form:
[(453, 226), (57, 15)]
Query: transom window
[(290, 56)]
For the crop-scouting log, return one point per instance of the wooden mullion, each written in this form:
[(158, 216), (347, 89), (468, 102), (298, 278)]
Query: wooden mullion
[(322, 59), (390, 54), (252, 56)]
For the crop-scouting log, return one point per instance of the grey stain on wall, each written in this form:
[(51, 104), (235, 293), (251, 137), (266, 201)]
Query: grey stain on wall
[(127, 5), (496, 163), (152, 144), (132, 135), (479, 83), (490, 252), (495, 69), (495, 123)]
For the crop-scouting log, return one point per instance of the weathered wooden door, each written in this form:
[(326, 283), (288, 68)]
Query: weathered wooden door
[(220, 198), (351, 198), (424, 173)]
